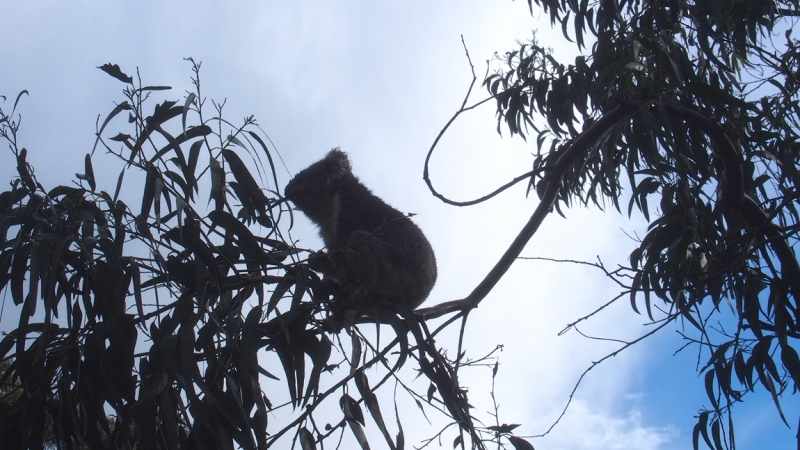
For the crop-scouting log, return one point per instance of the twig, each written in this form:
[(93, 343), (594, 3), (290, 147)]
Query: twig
[(595, 364)]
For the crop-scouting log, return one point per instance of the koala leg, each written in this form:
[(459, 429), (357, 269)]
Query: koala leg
[(364, 266), (320, 262)]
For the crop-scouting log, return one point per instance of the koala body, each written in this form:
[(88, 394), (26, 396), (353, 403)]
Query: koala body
[(377, 255)]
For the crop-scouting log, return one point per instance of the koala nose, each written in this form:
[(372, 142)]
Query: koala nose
[(288, 191)]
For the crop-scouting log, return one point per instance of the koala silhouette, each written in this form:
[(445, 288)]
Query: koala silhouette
[(375, 254)]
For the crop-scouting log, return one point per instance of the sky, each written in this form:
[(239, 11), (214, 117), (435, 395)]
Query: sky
[(380, 80)]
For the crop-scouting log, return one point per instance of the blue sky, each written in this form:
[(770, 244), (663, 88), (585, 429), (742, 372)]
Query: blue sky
[(380, 79)]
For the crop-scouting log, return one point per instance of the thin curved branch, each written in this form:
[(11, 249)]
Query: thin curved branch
[(502, 188), (464, 108)]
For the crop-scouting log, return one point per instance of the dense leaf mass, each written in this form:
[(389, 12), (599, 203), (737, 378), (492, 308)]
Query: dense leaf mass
[(143, 312), (692, 108)]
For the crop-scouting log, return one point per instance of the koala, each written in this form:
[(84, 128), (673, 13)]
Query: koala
[(375, 254)]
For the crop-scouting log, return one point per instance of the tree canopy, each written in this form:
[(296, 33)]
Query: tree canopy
[(686, 111)]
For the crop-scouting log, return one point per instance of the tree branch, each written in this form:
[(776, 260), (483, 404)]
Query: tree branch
[(554, 184)]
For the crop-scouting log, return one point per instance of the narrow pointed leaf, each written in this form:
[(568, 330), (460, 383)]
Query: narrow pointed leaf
[(124, 106), (189, 99), (87, 162)]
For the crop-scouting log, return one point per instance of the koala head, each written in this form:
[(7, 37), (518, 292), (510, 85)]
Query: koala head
[(314, 190)]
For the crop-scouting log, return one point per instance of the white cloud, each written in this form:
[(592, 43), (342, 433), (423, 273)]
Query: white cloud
[(588, 428)]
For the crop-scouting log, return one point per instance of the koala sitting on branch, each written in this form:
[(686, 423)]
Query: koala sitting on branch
[(376, 255)]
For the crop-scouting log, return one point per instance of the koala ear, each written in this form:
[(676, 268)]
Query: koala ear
[(339, 164)]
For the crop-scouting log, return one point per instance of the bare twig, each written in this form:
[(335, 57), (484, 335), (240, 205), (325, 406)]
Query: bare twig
[(595, 364)]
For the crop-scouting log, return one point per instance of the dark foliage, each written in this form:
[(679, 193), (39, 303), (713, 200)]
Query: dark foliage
[(147, 324)]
